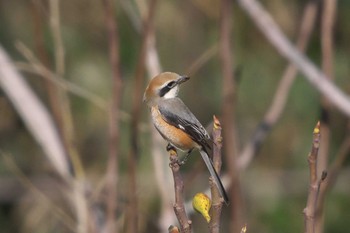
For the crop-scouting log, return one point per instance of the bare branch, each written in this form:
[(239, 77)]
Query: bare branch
[(228, 113), (56, 210), (35, 66), (179, 207), (216, 207), (315, 183), (279, 101), (313, 74)]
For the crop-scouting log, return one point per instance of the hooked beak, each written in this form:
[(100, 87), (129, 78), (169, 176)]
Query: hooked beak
[(182, 79)]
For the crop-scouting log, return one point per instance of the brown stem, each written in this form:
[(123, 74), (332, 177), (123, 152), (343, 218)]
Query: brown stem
[(315, 183), (228, 113), (114, 112), (179, 206), (332, 176), (216, 207)]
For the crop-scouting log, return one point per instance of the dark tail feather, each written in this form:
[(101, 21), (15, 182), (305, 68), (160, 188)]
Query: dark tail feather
[(215, 175)]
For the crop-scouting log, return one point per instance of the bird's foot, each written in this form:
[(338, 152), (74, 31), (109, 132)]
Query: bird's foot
[(170, 147), (184, 160)]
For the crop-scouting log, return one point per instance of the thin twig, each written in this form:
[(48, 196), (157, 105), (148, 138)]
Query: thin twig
[(179, 207), (56, 32), (56, 210), (67, 130), (313, 74), (38, 68), (51, 89), (315, 183), (202, 59), (216, 207), (279, 101), (78, 199), (333, 173)]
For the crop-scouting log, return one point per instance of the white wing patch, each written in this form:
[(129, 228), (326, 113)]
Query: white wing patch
[(181, 127)]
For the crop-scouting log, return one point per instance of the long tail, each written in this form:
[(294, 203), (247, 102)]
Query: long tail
[(215, 175)]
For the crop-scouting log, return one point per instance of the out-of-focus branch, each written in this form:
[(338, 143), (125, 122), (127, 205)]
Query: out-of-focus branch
[(33, 113), (279, 101), (228, 114), (327, 23), (216, 207), (157, 147), (329, 8), (179, 207), (38, 35), (132, 219), (114, 112), (77, 197), (315, 183), (327, 26), (56, 210), (273, 33), (67, 128), (56, 33), (154, 67), (202, 59), (36, 67)]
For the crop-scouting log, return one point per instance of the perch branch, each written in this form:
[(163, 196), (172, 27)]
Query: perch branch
[(179, 207), (216, 207)]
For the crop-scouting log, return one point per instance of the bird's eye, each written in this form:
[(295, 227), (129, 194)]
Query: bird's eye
[(171, 84)]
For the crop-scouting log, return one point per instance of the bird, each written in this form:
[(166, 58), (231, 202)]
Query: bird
[(176, 123)]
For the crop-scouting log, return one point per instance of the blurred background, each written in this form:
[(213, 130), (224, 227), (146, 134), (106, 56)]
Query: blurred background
[(273, 185)]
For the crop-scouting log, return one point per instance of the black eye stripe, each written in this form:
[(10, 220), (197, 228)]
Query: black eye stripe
[(164, 90), (167, 88)]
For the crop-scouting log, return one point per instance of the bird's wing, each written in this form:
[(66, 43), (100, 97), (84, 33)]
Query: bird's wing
[(175, 112)]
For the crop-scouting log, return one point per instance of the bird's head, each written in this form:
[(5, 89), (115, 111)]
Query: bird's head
[(163, 86)]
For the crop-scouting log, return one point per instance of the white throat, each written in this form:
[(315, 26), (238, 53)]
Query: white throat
[(172, 93)]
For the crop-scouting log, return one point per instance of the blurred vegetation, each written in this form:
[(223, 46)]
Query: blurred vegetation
[(275, 185)]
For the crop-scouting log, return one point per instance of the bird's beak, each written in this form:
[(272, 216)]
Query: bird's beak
[(182, 79)]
